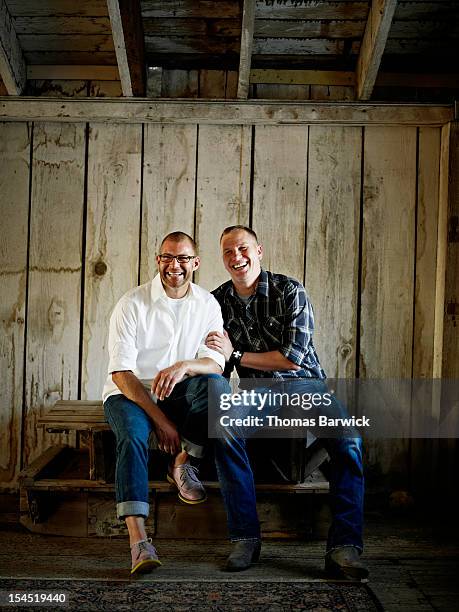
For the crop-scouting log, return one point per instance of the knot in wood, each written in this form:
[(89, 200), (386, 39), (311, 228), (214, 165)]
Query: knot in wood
[(100, 268), (345, 350)]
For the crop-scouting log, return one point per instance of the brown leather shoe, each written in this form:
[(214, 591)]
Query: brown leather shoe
[(344, 563)]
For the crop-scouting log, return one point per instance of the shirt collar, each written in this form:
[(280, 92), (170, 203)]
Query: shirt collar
[(157, 290), (262, 286)]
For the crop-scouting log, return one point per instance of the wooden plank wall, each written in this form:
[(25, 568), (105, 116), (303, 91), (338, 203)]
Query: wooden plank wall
[(349, 210), (14, 190), (332, 236), (222, 84), (169, 179), (448, 449), (112, 238), (219, 84), (388, 253), (208, 84), (55, 268), (222, 191)]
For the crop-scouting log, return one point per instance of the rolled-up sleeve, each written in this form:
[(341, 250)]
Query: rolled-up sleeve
[(122, 338), (214, 323), (299, 325)]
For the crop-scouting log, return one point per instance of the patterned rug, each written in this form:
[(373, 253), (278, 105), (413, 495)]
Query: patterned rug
[(197, 596)]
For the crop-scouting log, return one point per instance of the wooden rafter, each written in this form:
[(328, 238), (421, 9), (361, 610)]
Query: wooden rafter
[(245, 56), (12, 64), (126, 23), (372, 48)]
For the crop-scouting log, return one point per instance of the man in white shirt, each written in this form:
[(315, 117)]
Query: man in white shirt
[(158, 377)]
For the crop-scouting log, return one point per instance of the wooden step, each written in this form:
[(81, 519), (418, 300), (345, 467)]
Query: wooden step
[(56, 498), (46, 474), (74, 415)]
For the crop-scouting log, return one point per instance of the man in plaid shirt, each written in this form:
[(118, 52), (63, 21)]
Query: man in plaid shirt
[(269, 326)]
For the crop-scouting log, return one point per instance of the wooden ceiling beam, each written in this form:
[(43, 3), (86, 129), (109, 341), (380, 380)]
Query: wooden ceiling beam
[(245, 56), (240, 112), (372, 47), (12, 64), (126, 24)]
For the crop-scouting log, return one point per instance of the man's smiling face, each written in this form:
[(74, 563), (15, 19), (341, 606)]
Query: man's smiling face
[(241, 257), (176, 276)]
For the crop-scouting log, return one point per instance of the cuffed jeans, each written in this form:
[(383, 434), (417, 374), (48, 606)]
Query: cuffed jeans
[(346, 474), (186, 407)]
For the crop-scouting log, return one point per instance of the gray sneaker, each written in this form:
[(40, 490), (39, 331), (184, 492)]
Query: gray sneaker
[(185, 478), (144, 557), (344, 563)]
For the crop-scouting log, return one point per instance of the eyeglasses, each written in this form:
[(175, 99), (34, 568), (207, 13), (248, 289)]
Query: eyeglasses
[(166, 258)]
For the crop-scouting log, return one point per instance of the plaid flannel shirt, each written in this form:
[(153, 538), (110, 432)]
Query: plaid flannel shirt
[(279, 317)]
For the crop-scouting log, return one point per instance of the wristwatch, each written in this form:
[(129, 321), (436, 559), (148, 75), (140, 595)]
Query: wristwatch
[(235, 358)]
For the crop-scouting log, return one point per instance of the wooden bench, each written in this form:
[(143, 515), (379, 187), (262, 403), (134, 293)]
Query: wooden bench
[(86, 418), (88, 471)]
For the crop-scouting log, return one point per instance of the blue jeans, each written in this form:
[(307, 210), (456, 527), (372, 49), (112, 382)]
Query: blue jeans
[(186, 407), (346, 474)]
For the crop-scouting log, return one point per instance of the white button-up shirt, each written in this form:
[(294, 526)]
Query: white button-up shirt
[(145, 336)]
